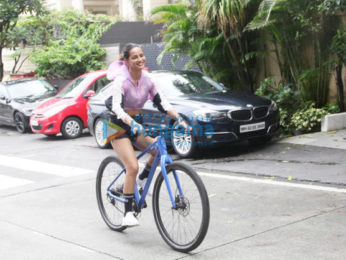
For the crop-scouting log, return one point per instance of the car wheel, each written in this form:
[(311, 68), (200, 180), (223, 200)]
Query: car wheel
[(98, 134), (21, 124), (259, 140), (183, 143), (72, 128)]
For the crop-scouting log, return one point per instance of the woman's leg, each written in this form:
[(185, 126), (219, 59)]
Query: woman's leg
[(126, 153), (143, 142), (124, 149)]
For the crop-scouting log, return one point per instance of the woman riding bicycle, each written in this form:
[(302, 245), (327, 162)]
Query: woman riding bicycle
[(132, 87)]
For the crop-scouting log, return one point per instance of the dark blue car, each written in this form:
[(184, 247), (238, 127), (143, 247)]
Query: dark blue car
[(217, 115)]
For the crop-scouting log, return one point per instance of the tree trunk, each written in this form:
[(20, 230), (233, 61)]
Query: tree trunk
[(1, 65), (340, 87)]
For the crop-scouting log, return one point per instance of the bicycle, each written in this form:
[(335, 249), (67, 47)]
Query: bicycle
[(174, 206)]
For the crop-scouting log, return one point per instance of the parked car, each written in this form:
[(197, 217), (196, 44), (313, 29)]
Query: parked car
[(18, 98), (66, 112), (216, 114)]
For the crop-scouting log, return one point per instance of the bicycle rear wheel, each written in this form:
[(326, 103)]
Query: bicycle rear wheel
[(184, 227), (112, 210)]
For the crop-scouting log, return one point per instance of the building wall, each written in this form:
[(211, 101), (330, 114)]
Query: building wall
[(109, 7), (148, 5), (9, 63), (122, 8)]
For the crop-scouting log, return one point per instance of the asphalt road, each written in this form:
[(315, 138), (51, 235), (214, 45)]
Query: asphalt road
[(279, 201)]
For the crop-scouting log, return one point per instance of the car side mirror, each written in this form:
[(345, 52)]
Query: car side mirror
[(2, 97), (89, 93)]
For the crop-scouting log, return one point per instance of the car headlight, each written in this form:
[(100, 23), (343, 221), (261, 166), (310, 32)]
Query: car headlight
[(54, 111), (27, 111), (273, 107), (205, 115)]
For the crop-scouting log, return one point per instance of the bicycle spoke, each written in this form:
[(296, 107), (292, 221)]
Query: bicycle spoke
[(181, 227), (111, 209)]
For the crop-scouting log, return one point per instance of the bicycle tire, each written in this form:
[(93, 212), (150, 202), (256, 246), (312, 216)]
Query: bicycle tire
[(188, 179), (115, 208)]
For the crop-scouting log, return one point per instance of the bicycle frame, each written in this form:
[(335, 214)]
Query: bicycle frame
[(162, 158)]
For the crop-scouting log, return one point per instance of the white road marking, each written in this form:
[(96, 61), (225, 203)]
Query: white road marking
[(272, 182), (7, 182), (41, 167)]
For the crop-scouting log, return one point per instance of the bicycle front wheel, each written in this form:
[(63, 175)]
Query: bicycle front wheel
[(185, 226), (112, 211)]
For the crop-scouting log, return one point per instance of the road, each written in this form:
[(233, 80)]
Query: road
[(279, 201)]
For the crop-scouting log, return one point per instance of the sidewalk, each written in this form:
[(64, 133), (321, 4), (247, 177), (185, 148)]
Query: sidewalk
[(333, 139)]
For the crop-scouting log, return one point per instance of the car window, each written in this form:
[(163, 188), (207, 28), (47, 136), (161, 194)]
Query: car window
[(99, 84), (34, 88), (75, 87), (186, 83), (107, 90)]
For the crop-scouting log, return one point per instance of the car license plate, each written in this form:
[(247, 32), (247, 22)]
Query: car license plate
[(34, 122), (252, 127)]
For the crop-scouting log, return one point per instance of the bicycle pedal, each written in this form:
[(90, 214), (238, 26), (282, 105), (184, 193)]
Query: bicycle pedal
[(116, 192)]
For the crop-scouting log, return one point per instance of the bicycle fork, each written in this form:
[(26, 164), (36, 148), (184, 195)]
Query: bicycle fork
[(177, 202)]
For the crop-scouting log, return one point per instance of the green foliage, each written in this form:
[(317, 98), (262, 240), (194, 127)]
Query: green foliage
[(287, 97), (10, 11), (314, 85), (338, 47), (227, 55), (331, 108), (301, 32), (68, 58), (308, 119), (295, 113), (73, 49)]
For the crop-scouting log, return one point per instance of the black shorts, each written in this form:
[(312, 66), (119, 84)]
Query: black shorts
[(115, 120)]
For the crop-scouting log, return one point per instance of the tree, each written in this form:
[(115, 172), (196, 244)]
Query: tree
[(10, 10), (30, 31), (232, 17), (301, 32), (195, 32), (72, 47), (338, 48)]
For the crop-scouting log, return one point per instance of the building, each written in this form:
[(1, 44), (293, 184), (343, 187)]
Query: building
[(121, 8)]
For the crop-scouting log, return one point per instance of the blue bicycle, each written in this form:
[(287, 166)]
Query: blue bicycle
[(181, 206)]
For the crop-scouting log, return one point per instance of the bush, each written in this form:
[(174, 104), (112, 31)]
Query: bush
[(295, 114), (308, 119), (287, 97), (74, 49), (69, 58)]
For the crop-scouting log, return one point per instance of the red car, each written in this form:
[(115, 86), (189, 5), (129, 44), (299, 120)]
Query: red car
[(66, 112)]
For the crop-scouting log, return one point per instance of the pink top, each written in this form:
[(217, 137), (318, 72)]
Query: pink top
[(128, 95)]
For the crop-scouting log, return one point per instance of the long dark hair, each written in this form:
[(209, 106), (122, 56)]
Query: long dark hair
[(125, 51)]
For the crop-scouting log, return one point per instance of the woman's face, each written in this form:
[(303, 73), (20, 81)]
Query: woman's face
[(136, 59)]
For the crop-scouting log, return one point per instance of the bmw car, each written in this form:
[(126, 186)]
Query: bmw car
[(216, 114)]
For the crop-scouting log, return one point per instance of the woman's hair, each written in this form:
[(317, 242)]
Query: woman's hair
[(125, 52)]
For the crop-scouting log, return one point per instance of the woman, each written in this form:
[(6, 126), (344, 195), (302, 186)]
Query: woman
[(133, 86)]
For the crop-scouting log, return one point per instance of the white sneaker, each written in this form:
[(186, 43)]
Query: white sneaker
[(129, 220), (141, 184)]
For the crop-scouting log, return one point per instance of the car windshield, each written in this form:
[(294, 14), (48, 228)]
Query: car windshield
[(186, 83), (34, 88), (75, 88)]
